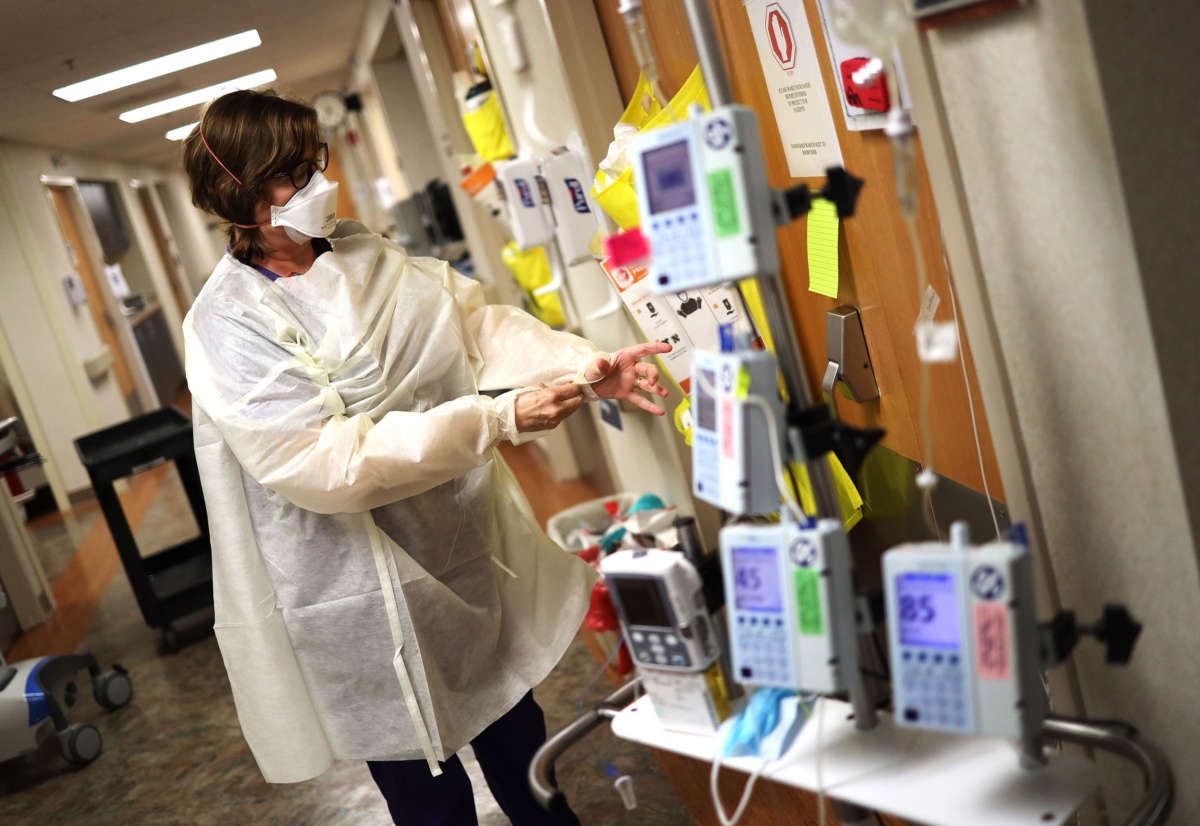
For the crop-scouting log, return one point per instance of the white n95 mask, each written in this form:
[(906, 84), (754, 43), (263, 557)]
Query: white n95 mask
[(311, 212)]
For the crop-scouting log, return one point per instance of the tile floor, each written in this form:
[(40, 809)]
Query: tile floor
[(175, 755)]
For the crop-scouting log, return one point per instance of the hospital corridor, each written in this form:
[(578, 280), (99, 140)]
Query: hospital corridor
[(599, 412)]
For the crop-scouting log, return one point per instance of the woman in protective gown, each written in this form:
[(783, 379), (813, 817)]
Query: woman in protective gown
[(382, 590)]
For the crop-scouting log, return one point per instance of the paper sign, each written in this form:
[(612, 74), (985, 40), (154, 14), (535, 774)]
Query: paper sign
[(822, 225), (76, 294), (116, 279), (686, 320), (793, 75), (610, 413)]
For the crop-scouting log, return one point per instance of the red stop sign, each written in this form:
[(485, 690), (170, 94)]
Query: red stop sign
[(780, 36)]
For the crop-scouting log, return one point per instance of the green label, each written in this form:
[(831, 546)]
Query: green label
[(724, 203), (808, 601)]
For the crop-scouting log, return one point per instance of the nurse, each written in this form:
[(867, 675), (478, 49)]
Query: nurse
[(382, 590)]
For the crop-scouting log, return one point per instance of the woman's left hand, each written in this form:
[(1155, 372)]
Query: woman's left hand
[(622, 375)]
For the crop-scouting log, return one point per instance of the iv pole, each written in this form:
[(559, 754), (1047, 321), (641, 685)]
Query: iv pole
[(779, 318)]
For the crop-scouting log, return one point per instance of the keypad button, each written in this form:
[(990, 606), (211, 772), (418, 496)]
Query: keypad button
[(660, 658), (656, 638), (643, 655), (671, 639)]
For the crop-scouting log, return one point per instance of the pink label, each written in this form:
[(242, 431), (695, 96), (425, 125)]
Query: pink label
[(727, 428), (991, 641)]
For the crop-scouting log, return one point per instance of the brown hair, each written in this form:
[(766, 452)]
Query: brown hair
[(255, 135)]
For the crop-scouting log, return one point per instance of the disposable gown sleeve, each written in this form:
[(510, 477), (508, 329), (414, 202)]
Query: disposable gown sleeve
[(514, 349), (290, 430)]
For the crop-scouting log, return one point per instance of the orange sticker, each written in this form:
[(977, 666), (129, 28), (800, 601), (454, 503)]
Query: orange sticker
[(623, 277), (991, 641)]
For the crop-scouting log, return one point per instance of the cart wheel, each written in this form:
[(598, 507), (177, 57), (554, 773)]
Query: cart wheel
[(80, 743), (113, 689), (168, 641)]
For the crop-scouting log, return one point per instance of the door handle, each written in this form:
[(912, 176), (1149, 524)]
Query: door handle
[(847, 362)]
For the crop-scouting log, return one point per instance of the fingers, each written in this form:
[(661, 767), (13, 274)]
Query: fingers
[(644, 403), (649, 379), (649, 348), (569, 406)]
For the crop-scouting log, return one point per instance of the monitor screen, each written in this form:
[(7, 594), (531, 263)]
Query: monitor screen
[(706, 405), (928, 610), (668, 177), (756, 580), (642, 599)]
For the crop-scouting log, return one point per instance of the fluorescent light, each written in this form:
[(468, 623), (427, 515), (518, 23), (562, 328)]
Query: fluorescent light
[(160, 66), (197, 97), (181, 132)]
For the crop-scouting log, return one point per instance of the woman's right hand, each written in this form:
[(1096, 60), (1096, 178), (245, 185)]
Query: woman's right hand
[(545, 407)]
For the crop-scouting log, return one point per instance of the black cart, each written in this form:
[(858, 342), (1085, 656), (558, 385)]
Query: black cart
[(174, 582)]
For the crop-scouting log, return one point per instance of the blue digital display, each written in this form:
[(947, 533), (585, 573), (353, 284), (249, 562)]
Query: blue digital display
[(756, 580), (668, 177), (928, 610)]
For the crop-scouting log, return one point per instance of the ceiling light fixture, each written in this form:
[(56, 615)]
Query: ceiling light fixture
[(181, 132), (197, 97), (159, 66)]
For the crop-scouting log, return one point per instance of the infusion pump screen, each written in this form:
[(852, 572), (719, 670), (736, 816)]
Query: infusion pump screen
[(668, 177), (928, 610), (642, 600), (706, 405), (756, 580)]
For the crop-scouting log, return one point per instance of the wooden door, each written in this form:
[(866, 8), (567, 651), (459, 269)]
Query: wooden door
[(61, 198), (345, 201), (170, 267), (877, 270)]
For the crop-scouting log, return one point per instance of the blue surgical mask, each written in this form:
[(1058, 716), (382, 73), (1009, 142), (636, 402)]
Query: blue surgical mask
[(767, 726)]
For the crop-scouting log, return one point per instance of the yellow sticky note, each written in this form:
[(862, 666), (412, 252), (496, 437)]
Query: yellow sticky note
[(823, 248)]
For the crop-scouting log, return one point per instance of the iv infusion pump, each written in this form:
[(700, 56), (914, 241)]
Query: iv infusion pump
[(660, 599), (790, 605), (732, 466), (962, 633), (704, 201)]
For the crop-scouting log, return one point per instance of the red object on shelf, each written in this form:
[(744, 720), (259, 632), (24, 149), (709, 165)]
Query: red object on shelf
[(627, 248), (624, 659), (872, 94), (601, 615)]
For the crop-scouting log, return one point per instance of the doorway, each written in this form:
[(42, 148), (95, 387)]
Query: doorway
[(62, 199), (164, 245)]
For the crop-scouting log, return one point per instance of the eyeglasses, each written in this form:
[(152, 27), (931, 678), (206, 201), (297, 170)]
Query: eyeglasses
[(302, 173)]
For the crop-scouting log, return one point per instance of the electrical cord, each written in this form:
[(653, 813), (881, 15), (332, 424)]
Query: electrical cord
[(820, 712), (599, 671), (962, 360)]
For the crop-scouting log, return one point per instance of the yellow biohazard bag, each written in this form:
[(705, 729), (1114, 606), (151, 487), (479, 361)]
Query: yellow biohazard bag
[(484, 122), (531, 269), (617, 196)]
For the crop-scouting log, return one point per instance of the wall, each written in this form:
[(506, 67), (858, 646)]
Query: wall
[(48, 338), (1042, 186), (415, 148), (198, 248), (1138, 56), (543, 112)]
